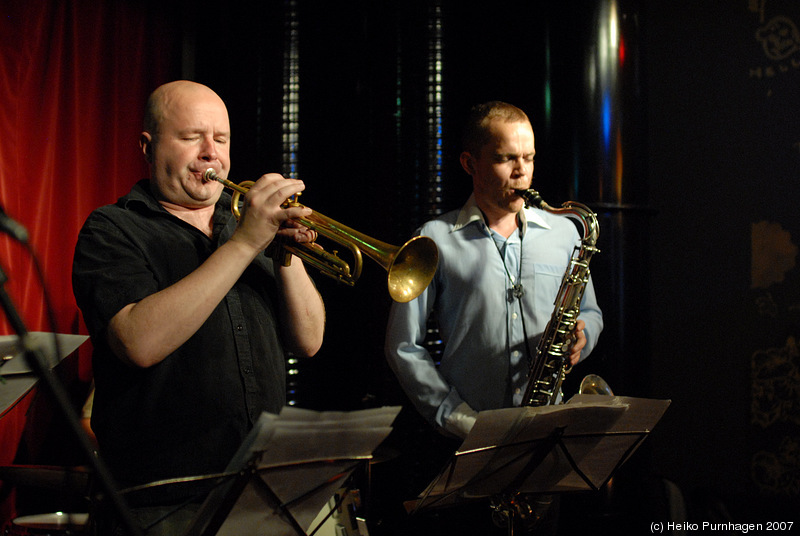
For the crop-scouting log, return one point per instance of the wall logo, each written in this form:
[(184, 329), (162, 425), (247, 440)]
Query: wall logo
[(779, 40)]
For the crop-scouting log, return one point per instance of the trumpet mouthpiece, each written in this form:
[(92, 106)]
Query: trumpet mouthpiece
[(210, 175)]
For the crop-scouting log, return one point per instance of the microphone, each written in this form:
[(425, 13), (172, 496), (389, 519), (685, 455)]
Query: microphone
[(12, 228)]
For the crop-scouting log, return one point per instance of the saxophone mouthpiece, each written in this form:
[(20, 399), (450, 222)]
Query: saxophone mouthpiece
[(531, 197)]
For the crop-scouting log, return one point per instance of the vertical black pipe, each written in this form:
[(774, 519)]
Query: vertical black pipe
[(611, 177)]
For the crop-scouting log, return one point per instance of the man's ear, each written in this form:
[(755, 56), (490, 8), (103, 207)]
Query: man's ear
[(146, 143), (467, 162)]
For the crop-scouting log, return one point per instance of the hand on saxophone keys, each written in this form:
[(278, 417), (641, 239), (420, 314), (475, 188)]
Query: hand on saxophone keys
[(579, 341)]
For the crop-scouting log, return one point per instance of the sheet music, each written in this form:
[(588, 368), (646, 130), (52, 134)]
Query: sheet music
[(621, 439), (302, 457), (12, 360), (17, 377), (598, 433)]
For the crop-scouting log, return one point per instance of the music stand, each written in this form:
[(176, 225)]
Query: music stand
[(288, 468), (567, 447), (36, 361)]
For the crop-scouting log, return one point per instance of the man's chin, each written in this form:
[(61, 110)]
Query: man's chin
[(202, 203), (516, 204), (205, 193)]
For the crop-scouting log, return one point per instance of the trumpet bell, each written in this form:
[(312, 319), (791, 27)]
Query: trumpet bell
[(412, 268)]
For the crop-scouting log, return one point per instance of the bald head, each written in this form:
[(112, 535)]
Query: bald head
[(170, 96), (186, 132)]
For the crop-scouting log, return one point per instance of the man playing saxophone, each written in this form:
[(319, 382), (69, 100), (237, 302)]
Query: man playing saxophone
[(500, 269)]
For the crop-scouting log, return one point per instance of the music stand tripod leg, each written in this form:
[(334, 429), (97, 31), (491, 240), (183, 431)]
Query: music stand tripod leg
[(507, 503)]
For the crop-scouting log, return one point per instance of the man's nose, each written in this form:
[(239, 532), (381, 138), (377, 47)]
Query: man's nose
[(208, 150), (519, 164)]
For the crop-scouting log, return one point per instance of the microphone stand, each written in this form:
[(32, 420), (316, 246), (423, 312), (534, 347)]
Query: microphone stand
[(36, 362)]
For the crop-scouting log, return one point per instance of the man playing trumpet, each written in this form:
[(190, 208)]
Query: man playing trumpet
[(189, 319)]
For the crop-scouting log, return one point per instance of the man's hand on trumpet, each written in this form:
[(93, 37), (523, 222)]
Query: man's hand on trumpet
[(264, 216), (298, 232)]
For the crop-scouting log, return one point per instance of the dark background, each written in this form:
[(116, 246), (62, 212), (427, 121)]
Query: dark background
[(709, 146), (695, 190)]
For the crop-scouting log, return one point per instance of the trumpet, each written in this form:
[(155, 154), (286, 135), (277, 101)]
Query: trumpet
[(410, 267)]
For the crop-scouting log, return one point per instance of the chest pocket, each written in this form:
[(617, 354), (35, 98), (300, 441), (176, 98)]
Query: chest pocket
[(547, 278)]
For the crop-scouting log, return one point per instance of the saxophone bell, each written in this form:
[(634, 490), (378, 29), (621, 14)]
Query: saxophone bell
[(592, 384)]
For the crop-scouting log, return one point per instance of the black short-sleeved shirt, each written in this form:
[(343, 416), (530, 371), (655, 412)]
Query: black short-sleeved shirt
[(187, 415)]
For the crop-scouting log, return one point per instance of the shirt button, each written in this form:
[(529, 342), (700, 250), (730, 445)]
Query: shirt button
[(513, 316), (517, 391), (515, 353), (239, 327), (246, 370)]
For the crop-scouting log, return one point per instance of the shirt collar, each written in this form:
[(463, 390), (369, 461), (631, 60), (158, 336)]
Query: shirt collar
[(140, 195), (141, 198), (471, 213)]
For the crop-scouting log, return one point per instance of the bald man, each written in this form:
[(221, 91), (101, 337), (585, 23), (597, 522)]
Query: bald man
[(189, 319)]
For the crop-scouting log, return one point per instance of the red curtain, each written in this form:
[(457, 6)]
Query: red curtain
[(74, 76)]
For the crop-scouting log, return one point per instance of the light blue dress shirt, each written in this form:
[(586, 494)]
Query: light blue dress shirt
[(484, 362)]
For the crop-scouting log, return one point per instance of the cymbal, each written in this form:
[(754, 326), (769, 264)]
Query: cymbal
[(47, 476)]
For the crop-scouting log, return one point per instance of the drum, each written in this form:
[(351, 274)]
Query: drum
[(57, 524)]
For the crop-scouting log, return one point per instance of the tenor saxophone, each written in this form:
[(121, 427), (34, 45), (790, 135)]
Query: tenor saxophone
[(550, 363)]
